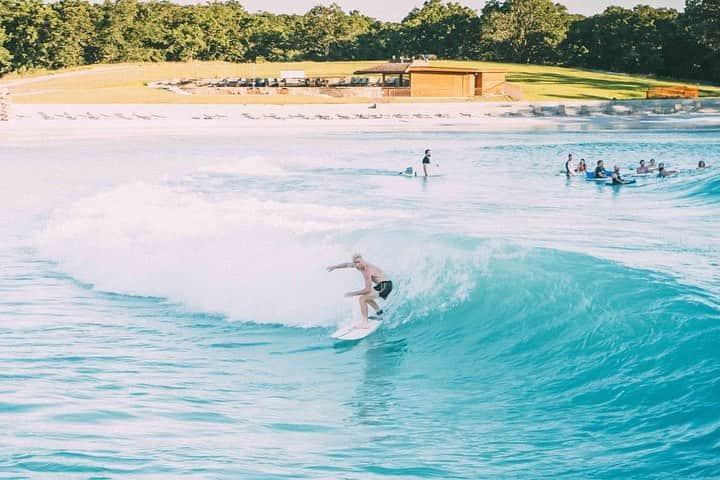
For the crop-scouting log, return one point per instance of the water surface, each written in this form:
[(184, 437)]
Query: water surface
[(165, 309)]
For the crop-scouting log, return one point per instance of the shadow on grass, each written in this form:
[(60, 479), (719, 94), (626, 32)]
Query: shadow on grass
[(578, 96), (567, 79)]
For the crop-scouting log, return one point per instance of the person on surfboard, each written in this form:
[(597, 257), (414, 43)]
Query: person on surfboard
[(372, 275), (600, 170), (582, 166), (617, 179), (664, 172)]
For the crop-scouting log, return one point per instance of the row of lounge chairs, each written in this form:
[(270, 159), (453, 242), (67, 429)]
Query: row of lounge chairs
[(249, 116)]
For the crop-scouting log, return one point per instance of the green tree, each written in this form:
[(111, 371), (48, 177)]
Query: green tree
[(348, 46), (26, 30), (274, 38), (323, 29), (117, 38), (448, 30), (524, 31), (702, 24), (227, 29), (623, 40), (5, 56), (6, 60), (186, 42), (704, 21), (70, 33), (381, 40)]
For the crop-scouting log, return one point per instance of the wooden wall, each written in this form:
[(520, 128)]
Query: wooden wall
[(490, 83), (442, 84)]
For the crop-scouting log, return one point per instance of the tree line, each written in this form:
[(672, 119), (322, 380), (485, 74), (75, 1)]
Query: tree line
[(69, 33)]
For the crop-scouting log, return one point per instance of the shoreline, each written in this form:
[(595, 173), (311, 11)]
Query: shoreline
[(373, 109), (132, 119)]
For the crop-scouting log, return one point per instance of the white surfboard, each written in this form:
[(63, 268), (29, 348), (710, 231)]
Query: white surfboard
[(433, 171), (356, 332)]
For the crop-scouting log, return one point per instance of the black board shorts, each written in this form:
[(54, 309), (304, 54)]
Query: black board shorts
[(384, 289)]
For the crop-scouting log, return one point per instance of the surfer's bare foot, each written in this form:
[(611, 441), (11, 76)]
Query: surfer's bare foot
[(362, 326)]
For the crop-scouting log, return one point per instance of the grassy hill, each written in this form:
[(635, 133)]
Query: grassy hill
[(126, 83)]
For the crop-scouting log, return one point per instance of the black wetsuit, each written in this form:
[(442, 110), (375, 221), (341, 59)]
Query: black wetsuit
[(426, 160), (600, 172), (384, 288)]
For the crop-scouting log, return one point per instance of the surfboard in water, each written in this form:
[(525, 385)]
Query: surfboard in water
[(356, 332), (627, 182), (433, 171)]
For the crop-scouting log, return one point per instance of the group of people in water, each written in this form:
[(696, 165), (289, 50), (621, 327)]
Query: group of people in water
[(615, 177), (378, 285)]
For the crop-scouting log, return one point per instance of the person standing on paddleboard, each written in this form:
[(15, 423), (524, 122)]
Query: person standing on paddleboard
[(426, 161), (372, 275)]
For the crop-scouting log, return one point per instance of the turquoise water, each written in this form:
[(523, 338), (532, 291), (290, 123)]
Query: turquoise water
[(165, 311)]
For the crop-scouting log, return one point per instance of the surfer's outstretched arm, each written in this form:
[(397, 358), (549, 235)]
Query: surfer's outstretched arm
[(340, 265)]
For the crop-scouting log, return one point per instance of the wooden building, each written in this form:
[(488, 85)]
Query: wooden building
[(420, 79)]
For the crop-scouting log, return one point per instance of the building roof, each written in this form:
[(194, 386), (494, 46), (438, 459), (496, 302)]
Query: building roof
[(439, 69), (386, 68)]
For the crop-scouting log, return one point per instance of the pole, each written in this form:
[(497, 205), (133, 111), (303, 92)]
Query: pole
[(4, 105)]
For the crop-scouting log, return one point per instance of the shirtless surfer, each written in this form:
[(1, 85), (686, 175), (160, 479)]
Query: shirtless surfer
[(371, 274)]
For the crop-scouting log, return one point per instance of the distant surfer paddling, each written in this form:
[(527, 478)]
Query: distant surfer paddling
[(372, 275)]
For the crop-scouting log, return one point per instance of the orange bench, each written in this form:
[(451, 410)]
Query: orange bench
[(682, 91)]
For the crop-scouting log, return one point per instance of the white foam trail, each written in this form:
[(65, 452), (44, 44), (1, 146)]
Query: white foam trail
[(253, 166), (249, 259)]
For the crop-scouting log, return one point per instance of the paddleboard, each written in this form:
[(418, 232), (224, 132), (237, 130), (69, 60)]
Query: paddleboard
[(356, 332), (591, 176), (420, 174), (433, 171)]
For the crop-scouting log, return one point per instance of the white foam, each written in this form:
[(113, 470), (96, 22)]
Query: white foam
[(253, 165), (246, 258)]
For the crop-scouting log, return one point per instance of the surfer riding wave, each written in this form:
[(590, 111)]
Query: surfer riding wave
[(372, 275)]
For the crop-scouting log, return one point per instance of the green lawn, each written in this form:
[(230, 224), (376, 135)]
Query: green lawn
[(125, 83)]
